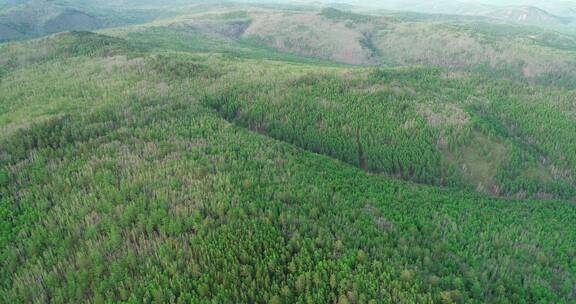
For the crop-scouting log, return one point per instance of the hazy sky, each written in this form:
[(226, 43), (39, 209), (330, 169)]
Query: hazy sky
[(485, 2), (558, 7)]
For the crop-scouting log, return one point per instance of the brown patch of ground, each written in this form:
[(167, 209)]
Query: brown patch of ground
[(320, 37), (477, 162), (445, 115)]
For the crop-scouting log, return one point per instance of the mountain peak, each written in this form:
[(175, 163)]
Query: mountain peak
[(525, 14)]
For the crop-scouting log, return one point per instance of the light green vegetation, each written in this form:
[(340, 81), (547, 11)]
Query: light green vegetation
[(181, 161), (87, 192), (528, 54), (419, 124)]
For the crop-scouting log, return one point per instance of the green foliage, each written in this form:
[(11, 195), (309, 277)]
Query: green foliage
[(119, 243), (65, 45), (368, 43), (339, 15), (537, 35), (90, 44), (181, 39), (408, 123), (147, 175)]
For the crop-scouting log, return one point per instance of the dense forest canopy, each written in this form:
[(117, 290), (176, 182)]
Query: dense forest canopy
[(249, 153)]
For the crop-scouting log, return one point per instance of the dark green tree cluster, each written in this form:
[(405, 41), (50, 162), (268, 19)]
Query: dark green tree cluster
[(140, 192), (127, 213), (387, 124)]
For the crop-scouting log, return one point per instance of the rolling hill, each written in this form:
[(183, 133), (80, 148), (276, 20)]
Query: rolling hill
[(94, 163), (562, 8), (283, 154), (531, 55), (35, 18), (527, 15)]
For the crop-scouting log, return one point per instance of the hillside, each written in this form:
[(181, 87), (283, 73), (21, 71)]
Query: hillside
[(526, 14), (530, 55), (94, 164), (565, 9), (264, 154), (35, 18)]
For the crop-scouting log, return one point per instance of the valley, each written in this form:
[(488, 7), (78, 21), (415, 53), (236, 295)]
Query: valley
[(284, 153)]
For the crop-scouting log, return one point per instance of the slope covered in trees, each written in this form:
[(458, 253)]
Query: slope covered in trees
[(530, 55), (34, 18), (419, 124), (134, 174)]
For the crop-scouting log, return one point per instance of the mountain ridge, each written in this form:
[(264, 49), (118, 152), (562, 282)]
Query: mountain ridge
[(226, 154)]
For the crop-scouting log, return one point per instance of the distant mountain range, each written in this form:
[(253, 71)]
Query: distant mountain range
[(527, 15), (521, 11), (21, 19)]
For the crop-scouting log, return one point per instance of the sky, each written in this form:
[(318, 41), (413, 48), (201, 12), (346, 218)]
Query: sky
[(556, 7)]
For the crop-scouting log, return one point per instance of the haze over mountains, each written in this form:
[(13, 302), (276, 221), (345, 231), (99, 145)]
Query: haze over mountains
[(33, 18), (469, 7), (543, 13)]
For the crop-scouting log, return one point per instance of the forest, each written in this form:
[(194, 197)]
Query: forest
[(149, 165)]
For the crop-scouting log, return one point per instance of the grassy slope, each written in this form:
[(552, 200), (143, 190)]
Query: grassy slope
[(87, 194)]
